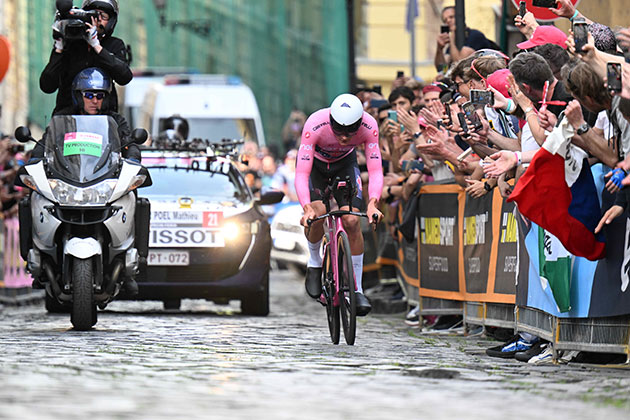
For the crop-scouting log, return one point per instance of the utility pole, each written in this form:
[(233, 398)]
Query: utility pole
[(352, 68), (460, 22)]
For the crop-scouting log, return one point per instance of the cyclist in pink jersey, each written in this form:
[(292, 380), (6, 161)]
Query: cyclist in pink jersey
[(327, 151)]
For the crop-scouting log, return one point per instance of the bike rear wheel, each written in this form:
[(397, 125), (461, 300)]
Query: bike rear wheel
[(332, 311), (347, 296)]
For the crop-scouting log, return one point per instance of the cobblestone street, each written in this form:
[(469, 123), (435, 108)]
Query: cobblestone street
[(208, 361)]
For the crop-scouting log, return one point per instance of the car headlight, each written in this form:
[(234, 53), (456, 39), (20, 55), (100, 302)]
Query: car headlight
[(230, 231), (233, 230), (95, 195)]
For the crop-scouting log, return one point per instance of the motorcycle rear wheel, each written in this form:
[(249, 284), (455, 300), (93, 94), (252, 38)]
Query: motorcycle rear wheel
[(83, 306)]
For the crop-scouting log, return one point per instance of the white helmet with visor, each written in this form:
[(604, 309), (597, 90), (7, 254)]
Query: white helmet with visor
[(346, 114)]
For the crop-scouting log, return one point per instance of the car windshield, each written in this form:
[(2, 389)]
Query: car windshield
[(216, 129), (82, 148), (222, 185)]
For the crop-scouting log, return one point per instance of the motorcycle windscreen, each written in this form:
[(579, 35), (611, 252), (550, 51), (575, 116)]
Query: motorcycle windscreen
[(82, 148)]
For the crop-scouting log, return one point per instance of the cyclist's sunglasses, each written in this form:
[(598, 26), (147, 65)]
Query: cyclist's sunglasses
[(92, 95), (347, 130)]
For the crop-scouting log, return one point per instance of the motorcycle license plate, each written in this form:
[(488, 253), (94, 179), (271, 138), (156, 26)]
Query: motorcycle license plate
[(166, 257)]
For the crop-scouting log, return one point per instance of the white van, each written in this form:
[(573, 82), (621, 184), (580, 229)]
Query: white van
[(215, 106)]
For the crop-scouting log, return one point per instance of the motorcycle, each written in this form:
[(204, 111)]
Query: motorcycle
[(83, 231)]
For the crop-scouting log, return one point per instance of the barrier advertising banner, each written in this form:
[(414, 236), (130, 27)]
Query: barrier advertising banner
[(439, 209), (467, 246)]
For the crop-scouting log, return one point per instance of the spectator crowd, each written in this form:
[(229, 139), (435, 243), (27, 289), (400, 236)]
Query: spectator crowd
[(485, 115)]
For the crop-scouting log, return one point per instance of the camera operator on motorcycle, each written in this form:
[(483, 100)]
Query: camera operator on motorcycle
[(96, 47), (91, 95), (327, 151)]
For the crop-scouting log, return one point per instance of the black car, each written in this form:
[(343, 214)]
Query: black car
[(209, 238)]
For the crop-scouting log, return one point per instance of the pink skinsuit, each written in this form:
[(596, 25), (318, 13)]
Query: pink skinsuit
[(318, 141)]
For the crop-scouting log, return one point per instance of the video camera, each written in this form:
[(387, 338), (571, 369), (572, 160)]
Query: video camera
[(70, 21)]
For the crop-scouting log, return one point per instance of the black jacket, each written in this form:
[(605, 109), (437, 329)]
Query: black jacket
[(131, 151), (76, 56)]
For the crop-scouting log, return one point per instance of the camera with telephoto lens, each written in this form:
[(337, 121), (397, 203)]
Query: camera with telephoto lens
[(70, 21)]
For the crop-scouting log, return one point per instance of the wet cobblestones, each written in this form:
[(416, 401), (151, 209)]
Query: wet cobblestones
[(208, 361)]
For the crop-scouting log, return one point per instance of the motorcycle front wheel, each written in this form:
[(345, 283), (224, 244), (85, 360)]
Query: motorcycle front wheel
[(83, 306)]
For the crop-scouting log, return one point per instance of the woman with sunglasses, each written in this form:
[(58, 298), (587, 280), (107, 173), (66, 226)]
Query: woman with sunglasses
[(327, 151)]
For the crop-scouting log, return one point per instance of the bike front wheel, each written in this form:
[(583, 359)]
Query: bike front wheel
[(347, 295), (332, 311)]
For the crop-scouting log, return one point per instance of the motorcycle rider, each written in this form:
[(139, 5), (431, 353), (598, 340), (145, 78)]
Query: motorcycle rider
[(91, 95), (99, 49)]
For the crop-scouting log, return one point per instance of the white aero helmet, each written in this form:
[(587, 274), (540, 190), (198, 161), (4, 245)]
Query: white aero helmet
[(346, 114)]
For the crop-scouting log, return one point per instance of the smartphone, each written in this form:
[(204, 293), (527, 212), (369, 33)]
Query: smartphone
[(461, 117), (409, 165), (613, 75), (481, 97), (444, 29), (449, 114), (376, 103), (392, 115), (580, 34), (522, 8), (400, 74), (544, 3), (469, 110)]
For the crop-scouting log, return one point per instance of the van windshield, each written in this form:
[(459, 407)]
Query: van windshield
[(216, 129)]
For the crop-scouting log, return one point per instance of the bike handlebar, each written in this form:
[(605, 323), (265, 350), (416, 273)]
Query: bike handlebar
[(309, 222)]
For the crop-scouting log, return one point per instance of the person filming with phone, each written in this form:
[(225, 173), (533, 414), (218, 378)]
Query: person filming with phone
[(327, 151), (81, 43), (447, 51)]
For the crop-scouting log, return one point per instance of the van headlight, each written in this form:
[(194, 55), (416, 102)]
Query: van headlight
[(95, 195)]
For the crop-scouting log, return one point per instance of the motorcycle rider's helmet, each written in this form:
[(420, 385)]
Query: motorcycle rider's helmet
[(109, 6), (91, 79), (179, 124), (346, 114)]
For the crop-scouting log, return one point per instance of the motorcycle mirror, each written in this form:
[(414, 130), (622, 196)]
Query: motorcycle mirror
[(139, 135), (23, 134)]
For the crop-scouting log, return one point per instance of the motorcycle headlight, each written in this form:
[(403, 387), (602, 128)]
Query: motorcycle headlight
[(95, 195)]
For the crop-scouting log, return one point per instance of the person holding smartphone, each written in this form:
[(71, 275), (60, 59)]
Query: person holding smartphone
[(447, 51)]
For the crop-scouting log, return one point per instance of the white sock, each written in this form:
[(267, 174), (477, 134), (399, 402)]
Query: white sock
[(357, 265), (315, 254)]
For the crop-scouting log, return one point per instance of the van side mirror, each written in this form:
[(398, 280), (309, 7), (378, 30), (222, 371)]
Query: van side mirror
[(139, 136), (23, 134)]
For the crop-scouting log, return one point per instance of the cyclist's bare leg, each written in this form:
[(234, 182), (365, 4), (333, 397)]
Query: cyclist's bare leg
[(352, 225), (314, 235)]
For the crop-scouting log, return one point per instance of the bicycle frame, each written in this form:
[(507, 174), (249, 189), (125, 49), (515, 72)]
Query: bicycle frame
[(334, 225)]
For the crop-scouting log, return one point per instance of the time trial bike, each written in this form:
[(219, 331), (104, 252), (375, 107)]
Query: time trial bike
[(338, 282)]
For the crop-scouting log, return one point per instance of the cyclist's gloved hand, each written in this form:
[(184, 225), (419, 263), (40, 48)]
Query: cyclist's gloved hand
[(618, 176)]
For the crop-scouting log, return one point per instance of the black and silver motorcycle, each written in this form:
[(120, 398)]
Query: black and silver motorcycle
[(82, 230)]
